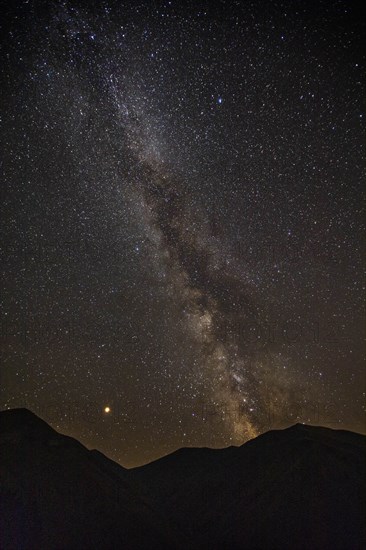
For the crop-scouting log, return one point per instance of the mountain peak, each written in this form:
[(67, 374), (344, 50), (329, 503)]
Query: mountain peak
[(301, 427), (23, 420), (19, 412), (236, 497)]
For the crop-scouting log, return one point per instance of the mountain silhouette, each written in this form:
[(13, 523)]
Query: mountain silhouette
[(56, 495), (302, 487)]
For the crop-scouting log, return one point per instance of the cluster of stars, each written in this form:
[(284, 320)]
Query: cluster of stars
[(181, 220)]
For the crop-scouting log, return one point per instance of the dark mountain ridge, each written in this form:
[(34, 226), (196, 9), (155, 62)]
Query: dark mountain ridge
[(302, 487)]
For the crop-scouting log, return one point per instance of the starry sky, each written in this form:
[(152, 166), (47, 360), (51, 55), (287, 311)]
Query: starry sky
[(182, 219)]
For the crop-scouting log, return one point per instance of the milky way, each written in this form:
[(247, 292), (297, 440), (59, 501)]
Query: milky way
[(181, 220)]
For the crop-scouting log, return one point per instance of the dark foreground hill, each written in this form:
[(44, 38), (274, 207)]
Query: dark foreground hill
[(56, 495), (303, 488)]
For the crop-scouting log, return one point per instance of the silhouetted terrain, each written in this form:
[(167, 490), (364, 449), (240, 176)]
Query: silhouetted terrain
[(55, 494), (303, 488)]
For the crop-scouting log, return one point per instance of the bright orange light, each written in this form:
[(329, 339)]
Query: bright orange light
[(107, 410)]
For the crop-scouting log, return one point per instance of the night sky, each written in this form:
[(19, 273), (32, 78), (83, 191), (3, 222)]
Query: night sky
[(181, 219)]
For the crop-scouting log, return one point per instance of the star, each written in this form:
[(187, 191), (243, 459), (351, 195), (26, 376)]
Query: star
[(180, 222)]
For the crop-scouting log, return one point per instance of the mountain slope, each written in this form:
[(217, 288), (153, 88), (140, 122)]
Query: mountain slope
[(303, 487), (54, 494)]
